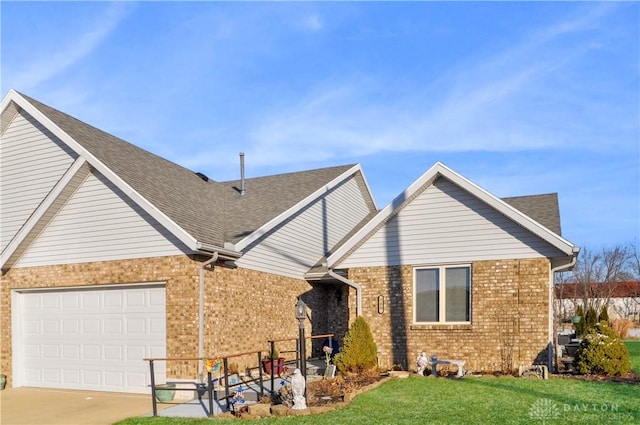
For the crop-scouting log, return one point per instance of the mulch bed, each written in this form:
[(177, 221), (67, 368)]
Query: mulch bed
[(629, 378), (326, 391)]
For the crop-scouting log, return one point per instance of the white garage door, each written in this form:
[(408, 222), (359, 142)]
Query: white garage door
[(91, 339)]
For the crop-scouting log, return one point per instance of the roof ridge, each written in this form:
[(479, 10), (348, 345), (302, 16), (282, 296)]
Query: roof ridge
[(290, 173)]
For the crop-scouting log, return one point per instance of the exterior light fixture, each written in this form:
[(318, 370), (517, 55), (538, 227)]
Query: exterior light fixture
[(301, 314)]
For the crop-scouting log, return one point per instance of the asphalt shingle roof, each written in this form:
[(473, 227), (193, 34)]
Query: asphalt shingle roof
[(212, 212), (542, 208)]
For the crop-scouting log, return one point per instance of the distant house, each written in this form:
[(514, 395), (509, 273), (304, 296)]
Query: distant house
[(111, 254), (621, 298)]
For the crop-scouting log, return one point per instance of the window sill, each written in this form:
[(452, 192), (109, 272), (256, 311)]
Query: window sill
[(442, 327)]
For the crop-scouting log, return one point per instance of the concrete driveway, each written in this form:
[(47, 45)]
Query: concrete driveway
[(68, 407)]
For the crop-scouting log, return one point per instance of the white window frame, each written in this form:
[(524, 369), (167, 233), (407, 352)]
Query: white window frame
[(442, 296)]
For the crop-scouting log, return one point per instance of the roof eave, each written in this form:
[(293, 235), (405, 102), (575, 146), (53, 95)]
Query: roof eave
[(439, 169), (271, 224), (180, 233)]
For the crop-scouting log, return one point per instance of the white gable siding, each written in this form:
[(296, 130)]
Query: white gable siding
[(32, 160), (446, 224), (99, 223), (299, 243)]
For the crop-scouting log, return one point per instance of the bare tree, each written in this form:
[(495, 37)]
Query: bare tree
[(632, 302), (596, 275)]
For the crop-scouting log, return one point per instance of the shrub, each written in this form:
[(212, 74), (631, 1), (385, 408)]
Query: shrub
[(580, 326), (602, 351), (622, 327), (591, 318), (359, 351), (604, 315)]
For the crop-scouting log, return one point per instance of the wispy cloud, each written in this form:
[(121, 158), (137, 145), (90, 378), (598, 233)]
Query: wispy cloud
[(312, 22), (509, 101), (68, 52)]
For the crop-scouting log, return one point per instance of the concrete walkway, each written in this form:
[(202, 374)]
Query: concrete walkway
[(22, 406)]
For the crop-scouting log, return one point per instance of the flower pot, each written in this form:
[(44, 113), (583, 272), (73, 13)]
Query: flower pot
[(3, 381), (165, 392), (576, 319), (275, 367)]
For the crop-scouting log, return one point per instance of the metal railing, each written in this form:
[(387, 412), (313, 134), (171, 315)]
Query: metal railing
[(208, 387)]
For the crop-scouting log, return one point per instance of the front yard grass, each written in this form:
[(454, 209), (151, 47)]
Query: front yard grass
[(469, 400), (634, 354)]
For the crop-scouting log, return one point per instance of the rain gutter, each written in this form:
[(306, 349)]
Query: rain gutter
[(352, 284)]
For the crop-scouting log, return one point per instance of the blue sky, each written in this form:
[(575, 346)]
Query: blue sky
[(521, 98)]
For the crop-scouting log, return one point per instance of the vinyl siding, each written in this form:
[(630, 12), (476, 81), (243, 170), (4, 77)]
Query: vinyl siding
[(446, 224), (296, 245), (99, 223), (32, 161)]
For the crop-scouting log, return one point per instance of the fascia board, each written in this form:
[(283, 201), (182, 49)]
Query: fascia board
[(151, 209), (334, 259), (41, 210), (366, 184), (271, 224), (517, 216), (7, 99)]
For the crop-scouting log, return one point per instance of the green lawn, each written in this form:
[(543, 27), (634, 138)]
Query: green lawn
[(634, 353), (473, 400)]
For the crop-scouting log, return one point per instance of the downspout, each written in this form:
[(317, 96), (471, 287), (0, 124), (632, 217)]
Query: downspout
[(352, 284), (552, 286), (212, 260)]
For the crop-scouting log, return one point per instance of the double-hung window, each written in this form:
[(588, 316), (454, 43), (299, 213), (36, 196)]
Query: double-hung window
[(442, 294)]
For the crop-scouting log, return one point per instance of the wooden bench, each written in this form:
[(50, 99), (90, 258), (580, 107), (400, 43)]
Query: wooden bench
[(459, 363)]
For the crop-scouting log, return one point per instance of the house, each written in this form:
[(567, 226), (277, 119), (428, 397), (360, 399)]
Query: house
[(621, 298), (110, 254), (449, 269)]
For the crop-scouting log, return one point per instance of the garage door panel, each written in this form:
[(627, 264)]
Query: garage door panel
[(91, 301), (70, 301), (137, 325), (50, 327), (114, 378), (91, 378), (70, 327), (91, 327), (91, 352), (113, 326), (50, 302), (113, 300), (71, 377), (50, 352), (95, 344), (136, 379), (51, 376), (71, 351)]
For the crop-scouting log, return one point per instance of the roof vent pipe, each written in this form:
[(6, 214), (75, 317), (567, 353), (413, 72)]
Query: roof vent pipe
[(242, 190)]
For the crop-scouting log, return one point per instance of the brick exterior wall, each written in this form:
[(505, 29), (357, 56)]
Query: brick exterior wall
[(243, 308), (509, 316)]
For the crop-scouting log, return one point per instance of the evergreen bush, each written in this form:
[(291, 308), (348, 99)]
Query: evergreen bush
[(604, 315), (580, 326), (592, 318), (359, 352), (602, 352)]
